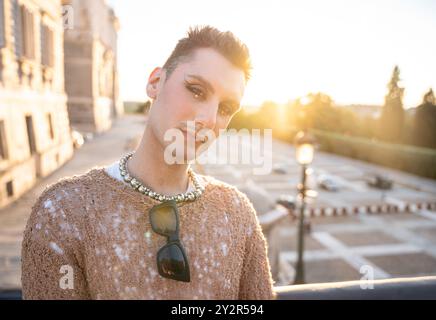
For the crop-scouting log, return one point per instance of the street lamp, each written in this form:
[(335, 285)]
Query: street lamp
[(304, 144)]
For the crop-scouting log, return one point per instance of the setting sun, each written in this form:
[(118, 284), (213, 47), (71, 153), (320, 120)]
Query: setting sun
[(346, 49)]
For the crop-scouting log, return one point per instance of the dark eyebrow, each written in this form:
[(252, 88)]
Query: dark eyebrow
[(210, 88), (203, 81)]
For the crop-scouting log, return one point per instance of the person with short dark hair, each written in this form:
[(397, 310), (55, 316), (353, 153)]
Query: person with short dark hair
[(145, 227)]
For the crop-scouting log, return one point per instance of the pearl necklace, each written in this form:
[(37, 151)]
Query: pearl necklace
[(181, 197)]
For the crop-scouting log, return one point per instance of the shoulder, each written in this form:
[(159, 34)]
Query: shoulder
[(62, 204), (225, 189), (68, 189), (232, 198)]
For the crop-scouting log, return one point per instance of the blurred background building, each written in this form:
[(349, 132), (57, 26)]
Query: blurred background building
[(91, 80), (35, 137)]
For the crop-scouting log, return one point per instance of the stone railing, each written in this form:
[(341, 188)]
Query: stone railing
[(390, 289)]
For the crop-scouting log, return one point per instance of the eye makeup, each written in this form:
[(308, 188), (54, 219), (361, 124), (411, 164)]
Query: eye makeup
[(226, 108), (195, 90)]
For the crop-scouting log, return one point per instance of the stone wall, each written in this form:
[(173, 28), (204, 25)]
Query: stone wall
[(91, 73), (35, 136)]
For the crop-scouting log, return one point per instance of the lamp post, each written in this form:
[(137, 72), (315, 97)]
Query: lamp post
[(304, 144)]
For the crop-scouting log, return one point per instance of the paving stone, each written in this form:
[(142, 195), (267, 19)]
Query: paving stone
[(402, 217), (406, 265), (289, 243), (364, 238), (334, 220), (330, 271), (428, 233)]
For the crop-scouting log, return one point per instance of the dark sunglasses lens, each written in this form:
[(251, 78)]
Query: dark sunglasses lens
[(172, 263), (163, 220)]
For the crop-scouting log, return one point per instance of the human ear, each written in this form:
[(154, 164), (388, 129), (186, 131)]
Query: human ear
[(153, 82)]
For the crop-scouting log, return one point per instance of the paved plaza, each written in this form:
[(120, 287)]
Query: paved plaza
[(338, 248), (389, 244)]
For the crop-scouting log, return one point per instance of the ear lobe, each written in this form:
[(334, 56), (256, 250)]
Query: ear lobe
[(151, 92)]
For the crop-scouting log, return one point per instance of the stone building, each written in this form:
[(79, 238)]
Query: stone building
[(91, 75), (35, 136)]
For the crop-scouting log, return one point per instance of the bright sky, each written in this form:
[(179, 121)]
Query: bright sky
[(345, 48)]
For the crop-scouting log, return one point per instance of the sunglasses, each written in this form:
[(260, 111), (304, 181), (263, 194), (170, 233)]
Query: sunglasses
[(172, 262)]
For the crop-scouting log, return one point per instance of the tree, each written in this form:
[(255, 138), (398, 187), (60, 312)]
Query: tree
[(267, 116), (391, 121), (320, 113), (425, 122)]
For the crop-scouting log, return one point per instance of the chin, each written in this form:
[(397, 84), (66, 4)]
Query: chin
[(191, 154)]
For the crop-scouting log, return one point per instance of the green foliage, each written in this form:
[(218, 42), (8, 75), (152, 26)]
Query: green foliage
[(389, 140), (136, 107), (392, 118), (144, 107), (420, 161), (424, 129)]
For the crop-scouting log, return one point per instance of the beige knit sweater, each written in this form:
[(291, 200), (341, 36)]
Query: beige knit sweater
[(89, 237)]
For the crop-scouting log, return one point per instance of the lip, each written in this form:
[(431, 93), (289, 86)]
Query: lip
[(193, 134)]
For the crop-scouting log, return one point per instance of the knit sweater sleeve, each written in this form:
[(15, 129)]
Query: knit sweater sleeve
[(256, 282), (50, 267)]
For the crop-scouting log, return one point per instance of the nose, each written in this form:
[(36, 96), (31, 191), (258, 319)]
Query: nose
[(206, 116)]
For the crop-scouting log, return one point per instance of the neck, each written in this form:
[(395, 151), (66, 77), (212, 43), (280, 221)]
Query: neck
[(147, 165)]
